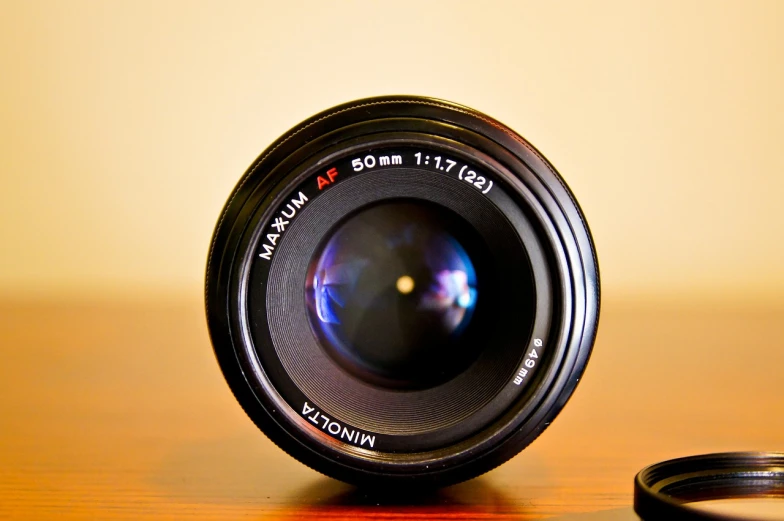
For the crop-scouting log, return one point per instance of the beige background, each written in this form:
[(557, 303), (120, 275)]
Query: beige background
[(124, 125)]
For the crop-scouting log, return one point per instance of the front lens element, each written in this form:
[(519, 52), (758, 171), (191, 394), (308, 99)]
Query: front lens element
[(392, 292)]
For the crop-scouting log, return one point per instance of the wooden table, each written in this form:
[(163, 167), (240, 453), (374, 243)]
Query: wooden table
[(112, 410)]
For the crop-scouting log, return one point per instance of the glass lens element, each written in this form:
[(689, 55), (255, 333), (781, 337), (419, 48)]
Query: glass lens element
[(392, 292)]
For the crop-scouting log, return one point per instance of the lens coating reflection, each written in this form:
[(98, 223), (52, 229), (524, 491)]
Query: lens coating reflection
[(392, 292)]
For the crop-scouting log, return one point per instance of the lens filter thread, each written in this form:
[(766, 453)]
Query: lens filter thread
[(665, 490)]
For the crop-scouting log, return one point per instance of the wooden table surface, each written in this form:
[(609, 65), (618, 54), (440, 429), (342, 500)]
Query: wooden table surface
[(114, 410)]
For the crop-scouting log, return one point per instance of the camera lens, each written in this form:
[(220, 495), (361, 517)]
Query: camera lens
[(401, 290), (392, 292)]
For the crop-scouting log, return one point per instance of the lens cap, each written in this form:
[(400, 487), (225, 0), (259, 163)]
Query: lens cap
[(705, 487)]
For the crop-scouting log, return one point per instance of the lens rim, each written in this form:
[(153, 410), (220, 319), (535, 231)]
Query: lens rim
[(560, 217), (664, 490)]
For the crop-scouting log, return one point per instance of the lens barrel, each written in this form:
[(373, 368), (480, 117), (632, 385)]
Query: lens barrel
[(402, 290)]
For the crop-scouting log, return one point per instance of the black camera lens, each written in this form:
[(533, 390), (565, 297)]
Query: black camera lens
[(402, 290)]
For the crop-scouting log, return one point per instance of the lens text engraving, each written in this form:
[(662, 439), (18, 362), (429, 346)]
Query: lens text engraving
[(367, 162), (280, 223), (445, 165), (370, 161), (337, 430), (529, 363)]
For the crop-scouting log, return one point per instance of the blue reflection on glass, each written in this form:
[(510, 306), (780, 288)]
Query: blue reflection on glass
[(360, 265)]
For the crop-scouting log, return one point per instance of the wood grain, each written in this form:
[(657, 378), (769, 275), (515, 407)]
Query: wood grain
[(117, 410)]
